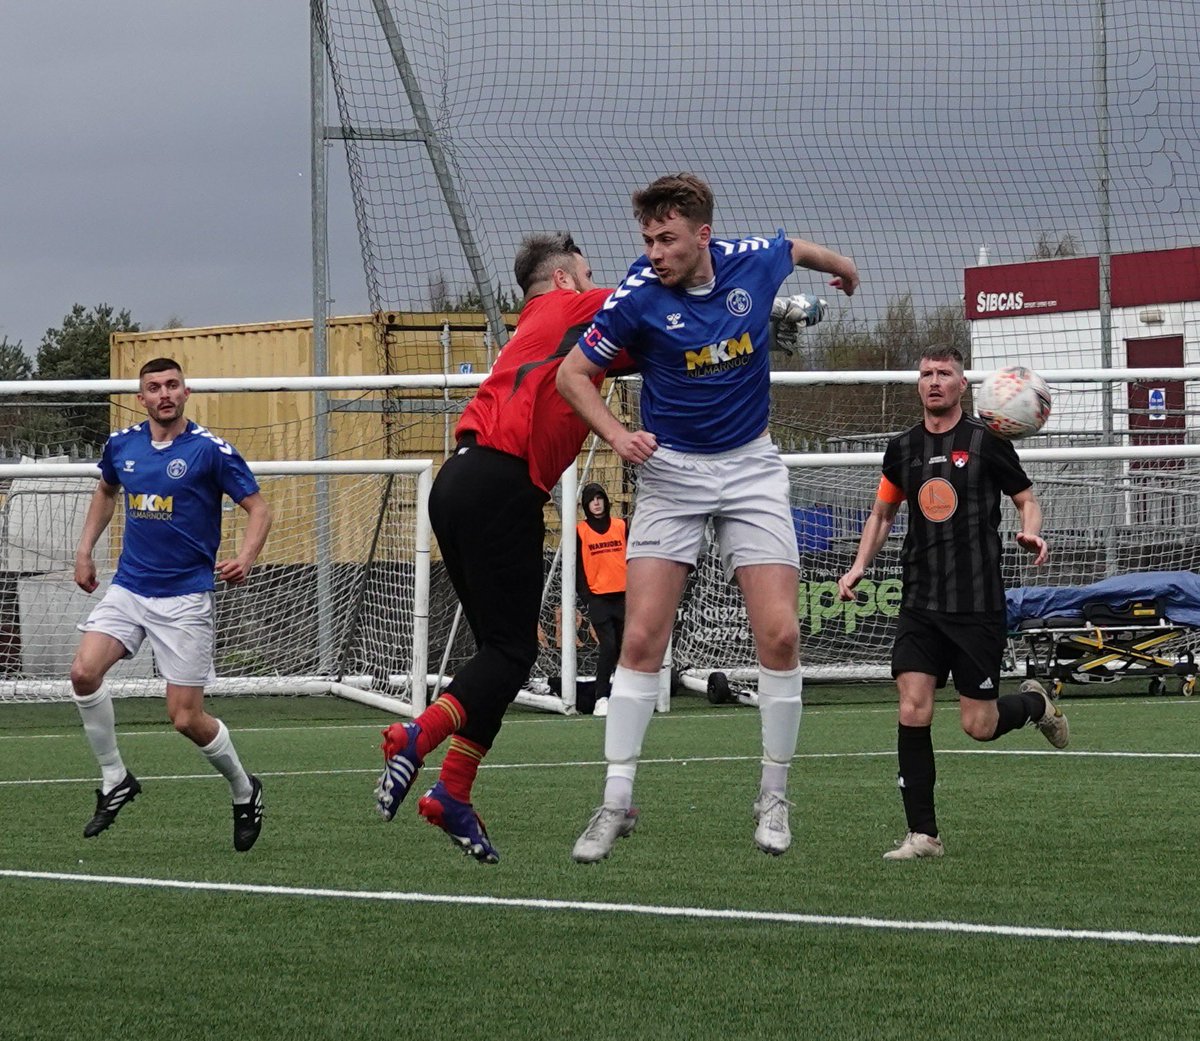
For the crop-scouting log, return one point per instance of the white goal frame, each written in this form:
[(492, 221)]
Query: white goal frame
[(356, 688)]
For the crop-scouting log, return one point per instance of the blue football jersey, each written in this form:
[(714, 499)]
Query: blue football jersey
[(704, 359), (172, 506)]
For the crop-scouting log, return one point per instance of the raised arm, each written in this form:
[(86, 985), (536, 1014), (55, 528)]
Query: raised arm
[(258, 524), (820, 258), (577, 383), (99, 514)]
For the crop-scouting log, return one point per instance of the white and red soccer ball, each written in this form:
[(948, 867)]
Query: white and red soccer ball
[(1013, 402)]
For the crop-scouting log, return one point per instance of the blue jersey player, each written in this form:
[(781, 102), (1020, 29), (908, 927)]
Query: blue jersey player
[(693, 313), (173, 474)]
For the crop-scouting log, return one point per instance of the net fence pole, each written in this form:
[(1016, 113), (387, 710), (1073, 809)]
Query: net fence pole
[(1104, 206), (320, 348)]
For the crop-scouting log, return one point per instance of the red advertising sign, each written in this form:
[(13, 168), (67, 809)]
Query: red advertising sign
[(1161, 276), (1038, 287)]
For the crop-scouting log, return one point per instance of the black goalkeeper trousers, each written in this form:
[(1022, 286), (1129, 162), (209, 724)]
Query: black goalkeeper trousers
[(487, 516)]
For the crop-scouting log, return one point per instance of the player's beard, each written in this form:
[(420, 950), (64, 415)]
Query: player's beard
[(177, 413), (942, 406)]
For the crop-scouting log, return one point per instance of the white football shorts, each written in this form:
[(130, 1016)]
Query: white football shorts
[(744, 490), (180, 629)]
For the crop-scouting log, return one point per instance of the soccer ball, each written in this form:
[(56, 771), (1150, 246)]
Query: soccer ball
[(1013, 402)]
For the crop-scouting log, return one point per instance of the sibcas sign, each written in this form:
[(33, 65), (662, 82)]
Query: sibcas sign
[(1038, 287)]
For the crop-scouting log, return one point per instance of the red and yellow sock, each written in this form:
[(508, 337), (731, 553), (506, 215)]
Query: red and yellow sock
[(443, 718), (460, 766)]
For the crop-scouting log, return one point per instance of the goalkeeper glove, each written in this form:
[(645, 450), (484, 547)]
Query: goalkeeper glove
[(783, 336), (798, 310)]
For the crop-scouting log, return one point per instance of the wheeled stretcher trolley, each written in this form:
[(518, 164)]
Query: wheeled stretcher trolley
[(1140, 625)]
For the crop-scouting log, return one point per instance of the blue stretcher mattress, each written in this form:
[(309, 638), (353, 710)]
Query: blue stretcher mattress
[(1178, 594)]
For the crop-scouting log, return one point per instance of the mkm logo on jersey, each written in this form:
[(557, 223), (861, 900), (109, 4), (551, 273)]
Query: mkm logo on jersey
[(146, 504), (717, 357)]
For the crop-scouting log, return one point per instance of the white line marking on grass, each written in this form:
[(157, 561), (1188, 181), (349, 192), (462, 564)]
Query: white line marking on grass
[(590, 763), (1069, 755), (652, 910)]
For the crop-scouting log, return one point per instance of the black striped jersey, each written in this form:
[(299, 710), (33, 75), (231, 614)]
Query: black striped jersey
[(953, 483)]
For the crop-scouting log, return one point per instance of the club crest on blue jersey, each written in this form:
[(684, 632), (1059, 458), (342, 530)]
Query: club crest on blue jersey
[(739, 303), (176, 468)]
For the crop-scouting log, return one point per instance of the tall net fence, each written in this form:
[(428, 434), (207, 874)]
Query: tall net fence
[(907, 136)]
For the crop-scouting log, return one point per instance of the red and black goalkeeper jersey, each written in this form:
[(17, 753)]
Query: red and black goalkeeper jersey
[(518, 409), (953, 483)]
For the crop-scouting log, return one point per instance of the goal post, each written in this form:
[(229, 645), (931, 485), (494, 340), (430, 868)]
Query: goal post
[(375, 602)]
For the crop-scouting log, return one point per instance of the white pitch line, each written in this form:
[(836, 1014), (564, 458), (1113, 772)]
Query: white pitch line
[(597, 763), (649, 910)]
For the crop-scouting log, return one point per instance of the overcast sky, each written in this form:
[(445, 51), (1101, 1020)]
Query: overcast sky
[(157, 154), (157, 159)]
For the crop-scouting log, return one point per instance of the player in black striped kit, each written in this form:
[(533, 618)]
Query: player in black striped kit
[(952, 472)]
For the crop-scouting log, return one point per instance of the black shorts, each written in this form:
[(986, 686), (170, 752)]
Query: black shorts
[(969, 646)]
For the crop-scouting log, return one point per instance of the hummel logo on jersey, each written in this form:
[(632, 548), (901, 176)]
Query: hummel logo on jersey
[(674, 321), (129, 466), (986, 684)]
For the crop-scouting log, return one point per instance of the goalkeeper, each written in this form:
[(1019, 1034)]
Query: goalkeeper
[(694, 314)]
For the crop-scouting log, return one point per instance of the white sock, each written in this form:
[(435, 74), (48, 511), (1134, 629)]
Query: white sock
[(224, 758), (630, 709), (780, 705), (100, 728)]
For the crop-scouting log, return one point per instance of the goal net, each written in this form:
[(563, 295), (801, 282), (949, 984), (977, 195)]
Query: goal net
[(1103, 516), (338, 601)]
